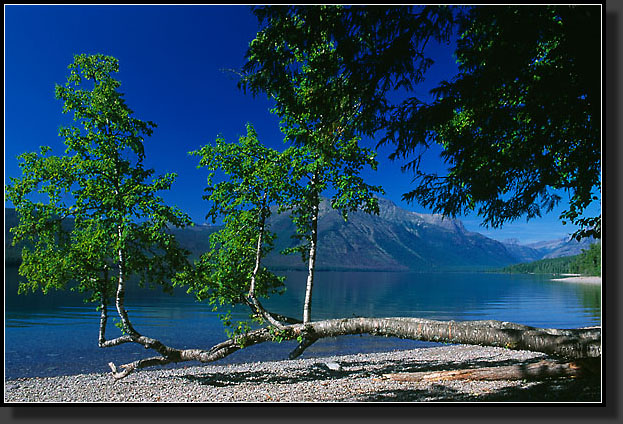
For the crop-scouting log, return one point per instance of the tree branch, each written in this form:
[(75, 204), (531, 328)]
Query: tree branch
[(571, 343), (257, 308), (298, 351)]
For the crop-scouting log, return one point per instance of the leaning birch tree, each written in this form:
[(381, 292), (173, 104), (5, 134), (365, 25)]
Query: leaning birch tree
[(92, 218), (320, 116), (254, 182)]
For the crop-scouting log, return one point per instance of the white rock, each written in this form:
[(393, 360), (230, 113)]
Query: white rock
[(333, 366)]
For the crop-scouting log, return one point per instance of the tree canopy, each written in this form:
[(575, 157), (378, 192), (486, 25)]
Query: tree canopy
[(93, 216), (520, 120), (353, 55), (299, 67), (518, 124), (257, 183)]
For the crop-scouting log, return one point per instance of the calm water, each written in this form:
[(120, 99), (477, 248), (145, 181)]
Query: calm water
[(57, 334)]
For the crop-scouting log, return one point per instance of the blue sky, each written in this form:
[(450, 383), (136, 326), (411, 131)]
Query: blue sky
[(171, 71)]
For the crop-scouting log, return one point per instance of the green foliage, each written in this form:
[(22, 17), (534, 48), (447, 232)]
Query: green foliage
[(341, 58), (561, 265), (257, 180), (282, 335), (518, 124), (589, 261), (119, 325), (519, 121), (296, 62), (81, 214), (586, 263), (236, 330)]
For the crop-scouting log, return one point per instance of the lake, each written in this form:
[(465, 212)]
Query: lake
[(57, 334)]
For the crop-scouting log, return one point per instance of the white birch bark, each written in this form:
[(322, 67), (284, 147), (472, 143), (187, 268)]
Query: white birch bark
[(571, 343), (312, 257)]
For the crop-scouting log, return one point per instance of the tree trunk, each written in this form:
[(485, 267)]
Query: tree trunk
[(103, 318), (253, 301), (258, 256), (533, 371), (312, 257), (572, 344), (120, 297), (103, 289)]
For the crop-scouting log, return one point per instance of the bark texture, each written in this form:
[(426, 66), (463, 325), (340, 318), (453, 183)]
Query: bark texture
[(534, 371), (312, 259), (571, 344)]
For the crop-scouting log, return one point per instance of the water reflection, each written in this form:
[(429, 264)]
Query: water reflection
[(60, 327)]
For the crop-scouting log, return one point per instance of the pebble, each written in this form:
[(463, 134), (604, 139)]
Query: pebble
[(333, 366), (351, 378)]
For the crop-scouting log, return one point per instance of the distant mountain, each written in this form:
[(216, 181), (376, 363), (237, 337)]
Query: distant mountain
[(195, 239), (523, 253), (561, 247), (394, 240), (547, 249)]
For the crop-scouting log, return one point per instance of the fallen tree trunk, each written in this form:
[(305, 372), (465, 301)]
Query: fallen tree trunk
[(533, 371), (571, 343)]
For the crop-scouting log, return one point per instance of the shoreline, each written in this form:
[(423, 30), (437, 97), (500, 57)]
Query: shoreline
[(583, 279), (350, 378)]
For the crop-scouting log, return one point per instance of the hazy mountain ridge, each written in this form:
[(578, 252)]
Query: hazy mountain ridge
[(563, 247), (394, 240), (402, 240)]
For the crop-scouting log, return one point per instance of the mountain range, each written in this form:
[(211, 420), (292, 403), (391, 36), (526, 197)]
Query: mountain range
[(401, 240), (394, 240)]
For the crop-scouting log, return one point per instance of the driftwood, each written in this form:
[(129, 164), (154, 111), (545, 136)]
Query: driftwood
[(532, 371)]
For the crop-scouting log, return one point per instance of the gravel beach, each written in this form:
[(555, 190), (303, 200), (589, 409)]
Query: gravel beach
[(352, 378), (579, 279)]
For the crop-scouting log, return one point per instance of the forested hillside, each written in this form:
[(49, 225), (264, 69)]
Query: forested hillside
[(586, 263)]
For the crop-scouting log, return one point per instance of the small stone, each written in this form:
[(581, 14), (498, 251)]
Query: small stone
[(333, 366)]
